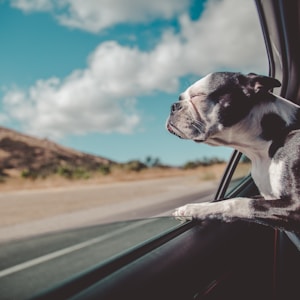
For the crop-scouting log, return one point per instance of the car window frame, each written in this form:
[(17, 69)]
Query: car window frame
[(245, 187)]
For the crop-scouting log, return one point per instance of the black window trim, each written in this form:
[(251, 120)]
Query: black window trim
[(226, 178)]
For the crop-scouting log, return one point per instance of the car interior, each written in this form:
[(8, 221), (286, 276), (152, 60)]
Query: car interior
[(212, 260)]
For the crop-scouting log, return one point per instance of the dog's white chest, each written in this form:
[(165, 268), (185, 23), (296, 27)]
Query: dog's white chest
[(267, 176), (275, 171)]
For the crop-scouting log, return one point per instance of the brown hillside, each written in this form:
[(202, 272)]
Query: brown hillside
[(22, 152)]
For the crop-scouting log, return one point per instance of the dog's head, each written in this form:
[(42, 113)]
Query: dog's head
[(216, 102)]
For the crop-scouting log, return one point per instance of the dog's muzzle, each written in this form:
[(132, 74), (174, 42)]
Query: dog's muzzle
[(175, 107), (185, 122)]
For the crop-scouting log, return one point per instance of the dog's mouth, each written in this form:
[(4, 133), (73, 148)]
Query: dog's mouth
[(198, 140), (171, 130), (174, 130)]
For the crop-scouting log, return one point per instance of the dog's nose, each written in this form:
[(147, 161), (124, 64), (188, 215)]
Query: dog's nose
[(176, 106), (181, 97)]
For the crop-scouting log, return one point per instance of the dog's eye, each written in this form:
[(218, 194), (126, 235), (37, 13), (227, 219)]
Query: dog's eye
[(197, 95)]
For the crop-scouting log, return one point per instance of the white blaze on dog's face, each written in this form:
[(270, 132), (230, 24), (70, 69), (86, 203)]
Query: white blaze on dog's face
[(216, 102), (194, 116)]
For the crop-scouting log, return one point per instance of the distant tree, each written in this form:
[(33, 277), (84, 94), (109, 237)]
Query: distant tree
[(148, 161), (156, 162), (2, 175), (152, 161), (135, 165), (190, 165), (104, 169), (204, 162)]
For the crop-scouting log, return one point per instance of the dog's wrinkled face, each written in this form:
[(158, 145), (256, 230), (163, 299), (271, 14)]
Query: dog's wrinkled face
[(216, 102)]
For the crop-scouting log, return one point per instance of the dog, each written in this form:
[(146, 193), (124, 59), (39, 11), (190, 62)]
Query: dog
[(239, 111)]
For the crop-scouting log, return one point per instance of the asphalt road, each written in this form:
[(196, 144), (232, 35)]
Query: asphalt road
[(32, 264), (33, 212)]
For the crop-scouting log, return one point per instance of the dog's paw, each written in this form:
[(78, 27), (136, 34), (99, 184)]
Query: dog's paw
[(181, 211), (184, 213), (198, 211)]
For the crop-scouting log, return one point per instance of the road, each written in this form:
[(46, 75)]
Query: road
[(57, 247), (31, 212)]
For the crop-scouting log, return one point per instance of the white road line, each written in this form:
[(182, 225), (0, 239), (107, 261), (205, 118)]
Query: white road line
[(53, 255)]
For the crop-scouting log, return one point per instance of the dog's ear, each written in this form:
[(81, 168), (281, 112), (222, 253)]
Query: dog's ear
[(263, 83), (254, 84)]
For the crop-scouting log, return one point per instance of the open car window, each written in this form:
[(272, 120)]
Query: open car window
[(241, 173), (115, 99)]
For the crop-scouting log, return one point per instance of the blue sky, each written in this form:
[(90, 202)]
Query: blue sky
[(100, 76)]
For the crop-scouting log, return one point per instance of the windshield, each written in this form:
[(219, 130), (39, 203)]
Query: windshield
[(85, 91)]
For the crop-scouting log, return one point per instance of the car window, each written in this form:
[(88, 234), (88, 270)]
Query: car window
[(85, 91), (241, 172), (83, 109)]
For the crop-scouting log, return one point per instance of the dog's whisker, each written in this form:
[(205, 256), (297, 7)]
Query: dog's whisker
[(198, 125)]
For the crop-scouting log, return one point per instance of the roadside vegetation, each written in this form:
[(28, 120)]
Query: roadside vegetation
[(151, 167), (74, 172)]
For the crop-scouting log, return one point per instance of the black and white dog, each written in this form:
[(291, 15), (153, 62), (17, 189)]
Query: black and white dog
[(238, 110)]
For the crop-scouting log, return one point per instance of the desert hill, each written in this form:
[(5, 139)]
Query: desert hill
[(32, 156)]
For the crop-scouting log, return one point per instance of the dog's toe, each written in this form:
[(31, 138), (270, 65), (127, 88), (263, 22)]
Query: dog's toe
[(181, 213)]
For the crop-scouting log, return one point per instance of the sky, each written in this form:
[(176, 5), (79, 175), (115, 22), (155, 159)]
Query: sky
[(100, 75)]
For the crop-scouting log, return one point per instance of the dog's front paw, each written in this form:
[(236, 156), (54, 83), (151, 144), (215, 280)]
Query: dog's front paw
[(198, 211), (183, 213)]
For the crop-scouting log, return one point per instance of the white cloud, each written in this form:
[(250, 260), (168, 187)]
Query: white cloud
[(227, 36), (101, 97), (76, 105), (95, 15), (33, 5)]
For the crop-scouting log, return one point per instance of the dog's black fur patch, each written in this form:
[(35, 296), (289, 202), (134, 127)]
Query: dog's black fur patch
[(235, 103), (274, 128)]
